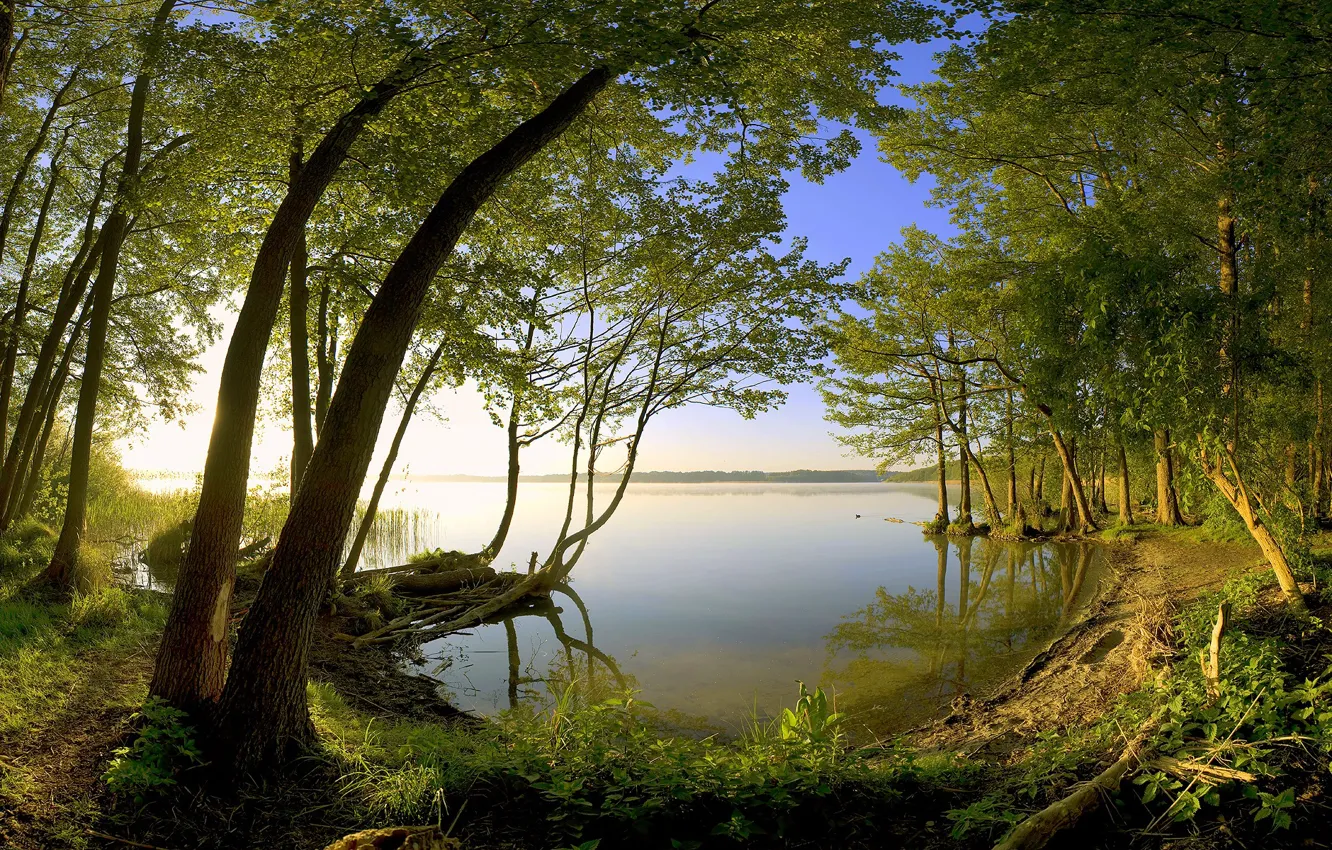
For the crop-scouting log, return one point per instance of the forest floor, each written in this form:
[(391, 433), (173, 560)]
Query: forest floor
[(71, 677)]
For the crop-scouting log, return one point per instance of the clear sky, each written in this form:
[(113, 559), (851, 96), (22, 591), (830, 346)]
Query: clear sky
[(854, 214)]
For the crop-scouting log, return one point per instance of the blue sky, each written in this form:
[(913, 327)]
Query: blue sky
[(854, 214)]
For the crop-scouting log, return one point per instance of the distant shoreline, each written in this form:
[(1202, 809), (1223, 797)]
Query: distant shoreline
[(797, 476)]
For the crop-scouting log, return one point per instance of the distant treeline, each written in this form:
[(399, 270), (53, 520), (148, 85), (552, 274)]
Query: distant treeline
[(800, 476), (927, 473)]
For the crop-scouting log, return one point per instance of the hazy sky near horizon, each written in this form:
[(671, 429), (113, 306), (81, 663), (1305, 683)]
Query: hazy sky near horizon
[(854, 214)]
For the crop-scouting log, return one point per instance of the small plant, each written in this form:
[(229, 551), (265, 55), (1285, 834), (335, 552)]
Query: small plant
[(164, 746), (811, 721), (1274, 806)]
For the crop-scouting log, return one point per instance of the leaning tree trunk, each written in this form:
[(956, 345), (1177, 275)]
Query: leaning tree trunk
[(192, 660), (34, 457), (1239, 497), (72, 290), (1085, 521), (62, 569), (10, 362), (354, 557), (263, 716)]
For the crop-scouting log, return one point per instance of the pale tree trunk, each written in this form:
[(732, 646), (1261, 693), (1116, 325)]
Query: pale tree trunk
[(941, 516), (1016, 516), (960, 432), (362, 532), (1237, 494), (263, 719), (1125, 501)]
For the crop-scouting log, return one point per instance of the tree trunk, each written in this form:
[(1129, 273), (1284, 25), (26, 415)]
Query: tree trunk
[(349, 567), (7, 8), (1125, 502), (61, 571), (263, 717), (326, 354), (21, 301), (496, 543), (299, 302), (1100, 490), (1167, 503), (191, 663), (1085, 521), (964, 498), (26, 428), (34, 457), (1237, 494), (941, 516), (1316, 461), (12, 201), (1013, 505)]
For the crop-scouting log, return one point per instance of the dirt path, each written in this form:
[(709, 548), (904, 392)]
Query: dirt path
[(59, 765), (1121, 636)]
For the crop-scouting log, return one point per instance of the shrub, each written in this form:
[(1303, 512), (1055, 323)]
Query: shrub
[(165, 745)]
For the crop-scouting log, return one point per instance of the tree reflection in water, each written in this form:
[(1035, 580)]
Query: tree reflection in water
[(904, 657)]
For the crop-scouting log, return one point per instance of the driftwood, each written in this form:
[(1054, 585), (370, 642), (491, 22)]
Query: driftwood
[(397, 838), (424, 584), (1039, 829)]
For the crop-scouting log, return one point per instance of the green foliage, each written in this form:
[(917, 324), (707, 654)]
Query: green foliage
[(163, 747), (603, 769), (812, 720)]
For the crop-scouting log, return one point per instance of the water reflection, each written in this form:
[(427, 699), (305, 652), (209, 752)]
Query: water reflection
[(547, 674), (906, 656)]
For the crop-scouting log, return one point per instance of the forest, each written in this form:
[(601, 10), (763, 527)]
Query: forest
[(1120, 346)]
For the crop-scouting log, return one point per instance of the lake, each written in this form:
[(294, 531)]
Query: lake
[(714, 599)]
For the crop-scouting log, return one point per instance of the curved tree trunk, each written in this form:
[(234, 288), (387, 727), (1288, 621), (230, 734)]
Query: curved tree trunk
[(326, 352), (262, 716), (191, 662), (496, 543)]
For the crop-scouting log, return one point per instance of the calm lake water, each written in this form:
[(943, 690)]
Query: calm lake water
[(714, 599)]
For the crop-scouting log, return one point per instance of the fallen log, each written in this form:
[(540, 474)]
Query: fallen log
[(1039, 829), (442, 582), (397, 838)]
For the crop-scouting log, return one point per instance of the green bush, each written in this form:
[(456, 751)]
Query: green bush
[(164, 746)]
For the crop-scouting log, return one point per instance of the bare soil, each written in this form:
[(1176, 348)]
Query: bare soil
[(1122, 636)]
